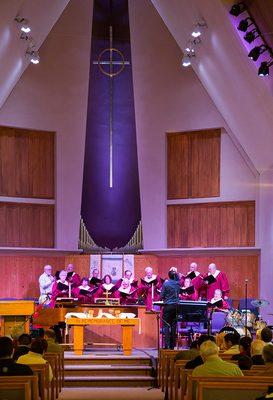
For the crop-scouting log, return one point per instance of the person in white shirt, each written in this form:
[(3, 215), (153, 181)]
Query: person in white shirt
[(46, 281)]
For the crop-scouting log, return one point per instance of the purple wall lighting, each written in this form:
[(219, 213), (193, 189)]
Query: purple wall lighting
[(111, 213)]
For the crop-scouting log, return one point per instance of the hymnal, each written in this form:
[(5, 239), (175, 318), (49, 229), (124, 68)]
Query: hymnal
[(95, 281), (87, 292), (209, 279), (191, 275), (188, 290), (62, 286), (218, 303), (149, 284)]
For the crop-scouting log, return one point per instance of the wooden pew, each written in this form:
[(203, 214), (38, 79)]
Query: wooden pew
[(168, 372), (193, 382), (52, 358), (228, 390), (32, 379), (179, 377), (162, 365), (42, 371), (14, 390)]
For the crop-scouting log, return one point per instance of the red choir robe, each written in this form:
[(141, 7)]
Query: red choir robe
[(220, 283), (84, 294), (189, 293), (127, 297), (59, 289), (221, 306), (74, 279), (149, 287), (196, 280), (104, 288)]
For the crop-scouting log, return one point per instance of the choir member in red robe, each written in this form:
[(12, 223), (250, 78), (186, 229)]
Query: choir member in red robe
[(218, 302), (196, 278), (60, 288), (188, 291), (127, 294), (72, 276), (84, 293), (95, 280), (107, 288), (218, 280), (150, 288)]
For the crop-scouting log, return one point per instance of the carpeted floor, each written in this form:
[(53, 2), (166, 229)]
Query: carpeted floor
[(110, 393)]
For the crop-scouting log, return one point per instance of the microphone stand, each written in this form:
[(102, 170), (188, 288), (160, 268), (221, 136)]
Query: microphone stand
[(246, 282)]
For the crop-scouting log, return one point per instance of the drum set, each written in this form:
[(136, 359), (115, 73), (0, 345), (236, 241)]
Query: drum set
[(245, 318)]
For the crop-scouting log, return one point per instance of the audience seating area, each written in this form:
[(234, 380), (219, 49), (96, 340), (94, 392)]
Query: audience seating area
[(178, 384), (38, 385)]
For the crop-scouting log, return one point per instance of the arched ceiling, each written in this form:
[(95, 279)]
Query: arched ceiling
[(244, 99), (42, 15)]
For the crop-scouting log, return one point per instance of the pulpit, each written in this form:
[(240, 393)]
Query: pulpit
[(15, 312)]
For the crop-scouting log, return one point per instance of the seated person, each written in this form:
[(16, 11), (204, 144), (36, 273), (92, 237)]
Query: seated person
[(213, 364), (8, 366), (245, 362), (126, 293), (198, 359), (23, 346), (35, 355), (52, 345), (188, 291), (244, 348), (256, 351), (266, 335), (190, 354), (84, 293), (232, 343), (268, 360), (220, 303)]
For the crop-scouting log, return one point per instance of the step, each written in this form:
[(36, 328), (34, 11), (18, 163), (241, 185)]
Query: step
[(106, 381), (107, 360), (107, 370)]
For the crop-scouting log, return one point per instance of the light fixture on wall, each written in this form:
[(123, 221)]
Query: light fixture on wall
[(186, 60), (199, 28), (33, 56), (255, 53), (24, 24), (264, 68), (252, 35), (245, 24)]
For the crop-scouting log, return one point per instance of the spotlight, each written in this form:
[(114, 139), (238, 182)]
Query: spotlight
[(264, 69), (199, 28), (243, 25), (237, 9), (33, 56), (25, 27), (251, 35), (255, 53), (186, 60)]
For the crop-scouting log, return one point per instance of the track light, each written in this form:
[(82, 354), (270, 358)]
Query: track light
[(33, 56), (237, 9), (264, 69), (199, 28), (244, 24), (255, 53), (25, 26), (252, 35), (186, 60)]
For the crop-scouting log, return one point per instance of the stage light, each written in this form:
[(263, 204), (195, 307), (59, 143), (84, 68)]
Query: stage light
[(264, 69), (186, 61), (199, 28), (251, 35), (255, 53), (237, 9), (25, 26), (244, 24), (33, 56)]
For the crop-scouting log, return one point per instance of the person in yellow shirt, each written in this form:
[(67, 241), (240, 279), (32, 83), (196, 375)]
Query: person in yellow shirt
[(35, 355), (52, 345)]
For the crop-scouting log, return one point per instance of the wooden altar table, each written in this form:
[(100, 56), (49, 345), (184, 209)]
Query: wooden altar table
[(127, 325)]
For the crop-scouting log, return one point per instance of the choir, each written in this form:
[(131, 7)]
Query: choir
[(213, 286)]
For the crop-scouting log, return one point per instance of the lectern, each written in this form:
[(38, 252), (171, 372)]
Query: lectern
[(15, 312)]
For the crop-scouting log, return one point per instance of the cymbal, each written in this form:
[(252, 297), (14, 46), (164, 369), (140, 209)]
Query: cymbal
[(260, 303)]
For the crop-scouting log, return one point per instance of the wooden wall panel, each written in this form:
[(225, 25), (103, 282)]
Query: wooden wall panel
[(229, 224), (21, 273), (26, 163), (26, 225), (237, 267), (193, 164)]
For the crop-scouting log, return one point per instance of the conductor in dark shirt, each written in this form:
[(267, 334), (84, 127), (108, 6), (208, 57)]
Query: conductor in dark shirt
[(8, 366), (170, 296)]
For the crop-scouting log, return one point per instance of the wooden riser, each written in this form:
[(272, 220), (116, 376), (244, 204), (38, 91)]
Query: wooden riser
[(107, 361)]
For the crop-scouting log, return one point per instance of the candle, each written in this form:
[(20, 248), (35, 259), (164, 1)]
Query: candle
[(152, 291), (69, 289)]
